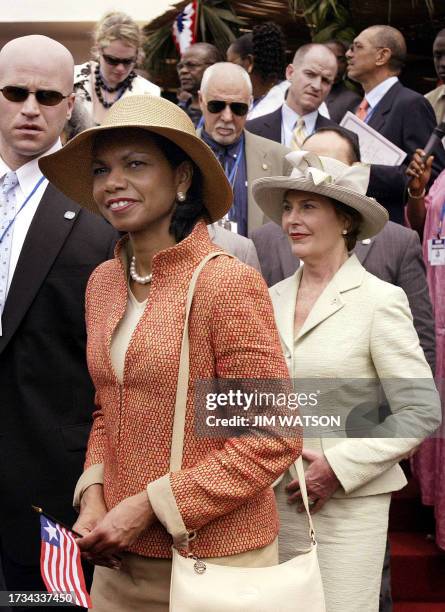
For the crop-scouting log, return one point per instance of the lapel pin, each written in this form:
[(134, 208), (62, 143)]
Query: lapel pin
[(366, 241), (265, 166), (70, 214)]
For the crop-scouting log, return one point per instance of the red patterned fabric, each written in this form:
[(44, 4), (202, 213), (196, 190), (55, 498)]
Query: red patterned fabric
[(224, 487)]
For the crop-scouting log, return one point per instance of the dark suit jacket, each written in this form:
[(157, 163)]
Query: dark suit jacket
[(47, 395), (407, 119), (394, 255), (269, 126), (340, 100)]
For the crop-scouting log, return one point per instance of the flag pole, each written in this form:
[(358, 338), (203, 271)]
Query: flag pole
[(54, 520)]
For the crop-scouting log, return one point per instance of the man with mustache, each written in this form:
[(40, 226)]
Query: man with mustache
[(225, 98)]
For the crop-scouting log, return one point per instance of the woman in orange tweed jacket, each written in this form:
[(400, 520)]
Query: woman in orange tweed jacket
[(146, 171)]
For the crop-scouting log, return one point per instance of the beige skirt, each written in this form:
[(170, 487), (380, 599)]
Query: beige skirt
[(143, 584), (351, 533)]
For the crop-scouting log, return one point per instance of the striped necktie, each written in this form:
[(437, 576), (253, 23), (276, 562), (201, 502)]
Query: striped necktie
[(7, 213), (362, 110), (298, 135)]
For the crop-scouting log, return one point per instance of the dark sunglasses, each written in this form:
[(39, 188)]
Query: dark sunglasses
[(47, 97), (238, 108), (115, 61)]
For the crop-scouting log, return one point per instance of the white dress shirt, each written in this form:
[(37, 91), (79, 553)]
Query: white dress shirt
[(28, 176), (289, 121), (270, 102), (376, 94)]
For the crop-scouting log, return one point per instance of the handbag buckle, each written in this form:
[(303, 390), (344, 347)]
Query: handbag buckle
[(191, 535), (199, 566), (312, 534)]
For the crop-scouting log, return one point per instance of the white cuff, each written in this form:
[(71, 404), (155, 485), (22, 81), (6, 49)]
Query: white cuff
[(164, 506), (92, 475)]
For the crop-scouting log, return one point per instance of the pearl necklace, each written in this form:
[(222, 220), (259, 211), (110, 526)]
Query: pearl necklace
[(142, 280)]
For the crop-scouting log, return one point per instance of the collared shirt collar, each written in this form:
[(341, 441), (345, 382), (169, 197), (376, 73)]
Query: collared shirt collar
[(29, 173), (375, 95), (290, 118), (220, 149)]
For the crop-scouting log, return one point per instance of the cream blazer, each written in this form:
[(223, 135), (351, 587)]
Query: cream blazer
[(361, 327)]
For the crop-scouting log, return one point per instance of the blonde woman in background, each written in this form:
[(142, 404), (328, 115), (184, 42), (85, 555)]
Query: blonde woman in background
[(117, 49)]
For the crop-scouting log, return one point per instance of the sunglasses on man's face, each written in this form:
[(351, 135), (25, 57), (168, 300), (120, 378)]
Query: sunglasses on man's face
[(238, 108), (47, 97), (115, 61)]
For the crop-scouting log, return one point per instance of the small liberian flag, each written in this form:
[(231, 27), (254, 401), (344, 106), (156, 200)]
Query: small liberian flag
[(184, 27), (60, 564)]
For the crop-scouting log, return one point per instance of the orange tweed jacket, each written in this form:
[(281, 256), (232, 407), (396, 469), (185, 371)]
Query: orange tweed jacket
[(223, 490)]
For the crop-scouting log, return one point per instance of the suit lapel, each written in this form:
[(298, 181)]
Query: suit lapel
[(271, 127), (378, 117), (46, 235), (330, 301), (284, 297), (257, 165)]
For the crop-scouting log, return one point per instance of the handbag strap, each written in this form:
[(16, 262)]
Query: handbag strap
[(177, 444), (302, 482), (183, 375)]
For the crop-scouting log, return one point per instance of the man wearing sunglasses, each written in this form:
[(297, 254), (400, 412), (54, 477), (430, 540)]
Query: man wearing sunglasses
[(48, 248), (225, 98)]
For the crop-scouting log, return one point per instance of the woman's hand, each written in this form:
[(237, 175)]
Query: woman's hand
[(118, 529), (420, 172), (321, 482), (92, 509)]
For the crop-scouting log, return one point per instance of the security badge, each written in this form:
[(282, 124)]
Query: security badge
[(436, 251)]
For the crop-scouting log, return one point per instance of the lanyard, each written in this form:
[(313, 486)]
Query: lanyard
[(36, 186), (239, 155), (439, 227)]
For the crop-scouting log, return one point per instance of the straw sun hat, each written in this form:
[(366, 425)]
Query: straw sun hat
[(328, 177), (70, 169)]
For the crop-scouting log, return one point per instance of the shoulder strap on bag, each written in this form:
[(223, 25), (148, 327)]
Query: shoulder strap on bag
[(182, 392), (183, 375)]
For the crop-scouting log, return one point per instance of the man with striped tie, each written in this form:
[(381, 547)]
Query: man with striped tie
[(403, 116), (49, 246), (311, 76)]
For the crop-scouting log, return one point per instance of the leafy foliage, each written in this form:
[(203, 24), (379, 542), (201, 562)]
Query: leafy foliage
[(326, 19), (217, 24)]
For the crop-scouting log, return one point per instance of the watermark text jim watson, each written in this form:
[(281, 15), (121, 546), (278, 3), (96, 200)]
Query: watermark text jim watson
[(241, 400)]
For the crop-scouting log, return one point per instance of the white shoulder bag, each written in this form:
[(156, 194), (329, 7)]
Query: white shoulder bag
[(199, 586)]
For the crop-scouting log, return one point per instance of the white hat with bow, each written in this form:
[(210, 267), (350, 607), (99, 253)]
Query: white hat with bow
[(328, 177)]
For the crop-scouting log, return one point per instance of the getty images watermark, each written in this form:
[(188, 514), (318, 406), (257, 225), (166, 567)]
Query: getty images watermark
[(251, 401), (321, 407)]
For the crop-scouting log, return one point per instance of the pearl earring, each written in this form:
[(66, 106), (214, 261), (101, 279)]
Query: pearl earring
[(344, 232), (181, 196)]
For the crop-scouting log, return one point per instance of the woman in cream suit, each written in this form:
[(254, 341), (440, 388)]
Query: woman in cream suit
[(338, 322)]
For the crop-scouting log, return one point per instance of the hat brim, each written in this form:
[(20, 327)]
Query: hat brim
[(268, 193), (70, 168)]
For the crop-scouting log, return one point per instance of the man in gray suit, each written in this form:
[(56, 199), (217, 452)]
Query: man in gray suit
[(225, 97), (243, 248), (394, 255)]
